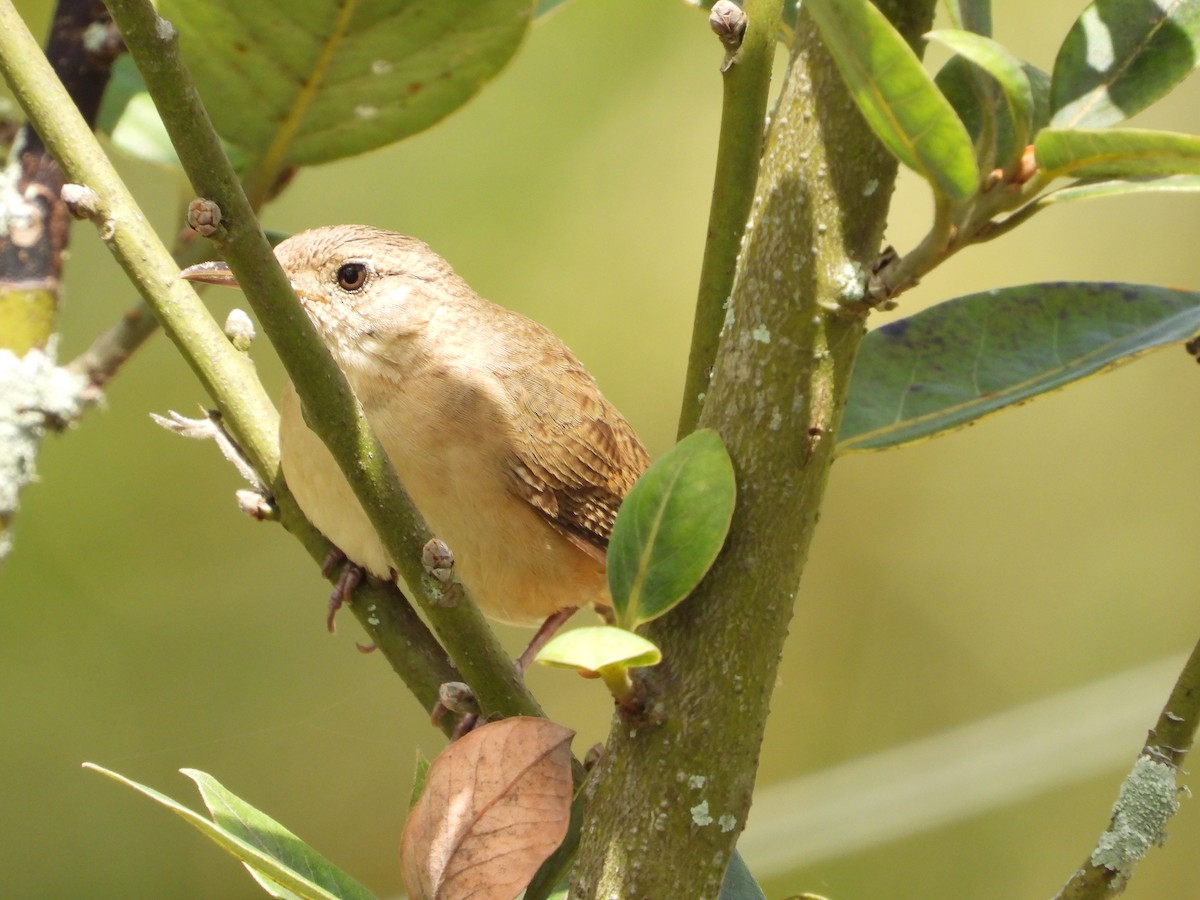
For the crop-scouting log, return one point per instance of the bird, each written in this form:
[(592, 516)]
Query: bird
[(498, 433)]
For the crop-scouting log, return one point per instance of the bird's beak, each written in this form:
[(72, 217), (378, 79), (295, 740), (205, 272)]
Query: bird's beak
[(210, 273)]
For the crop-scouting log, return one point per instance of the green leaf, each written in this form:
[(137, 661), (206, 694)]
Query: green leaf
[(670, 528), (289, 866), (897, 96), (1007, 71), (604, 651), (1123, 153), (420, 770), (544, 6), (243, 821), (598, 647), (128, 116), (1120, 57), (1039, 83), (739, 884), (300, 82), (1087, 190), (973, 94), (130, 119), (967, 358), (971, 15)]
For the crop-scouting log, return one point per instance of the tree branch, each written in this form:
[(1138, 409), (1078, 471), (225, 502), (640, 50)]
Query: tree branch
[(33, 239), (1148, 796), (685, 774)]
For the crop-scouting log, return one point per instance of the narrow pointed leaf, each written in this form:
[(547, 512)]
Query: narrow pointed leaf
[(252, 852), (1001, 65), (967, 358), (1039, 83), (296, 83), (1120, 57), (896, 95), (1119, 153), (598, 647), (670, 528), (256, 828), (974, 97), (420, 770), (1087, 190), (739, 884)]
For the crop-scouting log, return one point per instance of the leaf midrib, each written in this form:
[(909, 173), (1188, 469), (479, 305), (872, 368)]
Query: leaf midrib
[(271, 163)]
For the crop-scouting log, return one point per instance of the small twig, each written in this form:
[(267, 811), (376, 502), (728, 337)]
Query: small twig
[(1026, 204), (957, 226), (101, 362), (1148, 796), (210, 428), (892, 275)]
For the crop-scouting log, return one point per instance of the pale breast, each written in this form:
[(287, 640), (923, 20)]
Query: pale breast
[(516, 566), (322, 491)]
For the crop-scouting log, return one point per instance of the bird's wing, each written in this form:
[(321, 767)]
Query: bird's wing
[(579, 459)]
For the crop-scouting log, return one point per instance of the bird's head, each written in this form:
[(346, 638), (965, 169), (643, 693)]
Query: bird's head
[(356, 283)]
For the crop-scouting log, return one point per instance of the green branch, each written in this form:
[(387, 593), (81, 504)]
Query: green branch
[(746, 83)]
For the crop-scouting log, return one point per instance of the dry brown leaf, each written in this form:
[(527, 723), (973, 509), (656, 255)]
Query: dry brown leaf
[(496, 804)]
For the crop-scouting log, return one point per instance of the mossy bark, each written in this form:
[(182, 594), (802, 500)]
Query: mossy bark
[(673, 790)]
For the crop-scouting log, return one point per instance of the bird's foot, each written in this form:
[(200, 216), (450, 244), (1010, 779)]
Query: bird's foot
[(548, 629), (343, 590)]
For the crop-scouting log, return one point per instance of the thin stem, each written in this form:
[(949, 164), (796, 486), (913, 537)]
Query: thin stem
[(1027, 203), (101, 361), (226, 374), (933, 249), (746, 85), (113, 348), (958, 226)]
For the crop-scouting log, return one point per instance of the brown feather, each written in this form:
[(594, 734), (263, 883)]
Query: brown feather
[(579, 459)]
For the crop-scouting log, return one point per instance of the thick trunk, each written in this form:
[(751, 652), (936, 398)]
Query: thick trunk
[(673, 791)]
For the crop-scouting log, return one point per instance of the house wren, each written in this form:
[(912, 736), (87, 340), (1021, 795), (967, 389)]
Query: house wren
[(498, 433)]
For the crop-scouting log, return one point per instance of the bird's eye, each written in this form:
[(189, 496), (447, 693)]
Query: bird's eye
[(352, 276)]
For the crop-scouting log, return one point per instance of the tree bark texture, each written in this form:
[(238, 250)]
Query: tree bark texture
[(673, 790)]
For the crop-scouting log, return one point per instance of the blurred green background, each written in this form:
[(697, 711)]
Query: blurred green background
[(146, 626)]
